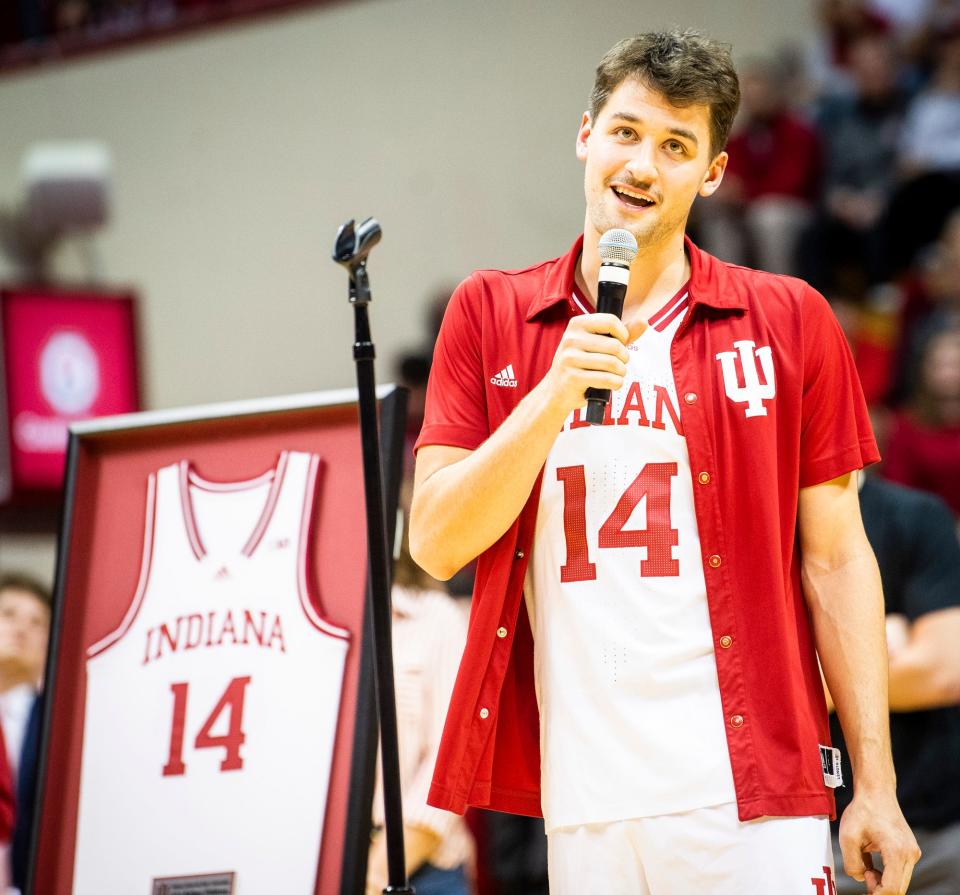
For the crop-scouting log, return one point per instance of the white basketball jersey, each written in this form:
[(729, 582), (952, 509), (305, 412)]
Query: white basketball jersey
[(630, 712), (211, 711)]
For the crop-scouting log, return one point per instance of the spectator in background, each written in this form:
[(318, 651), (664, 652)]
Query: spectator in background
[(904, 16), (861, 134), (914, 25), (924, 447), (929, 159), (931, 304), (24, 631), (429, 633), (413, 370), (920, 30), (913, 536), (931, 138), (841, 23), (771, 181), (70, 16)]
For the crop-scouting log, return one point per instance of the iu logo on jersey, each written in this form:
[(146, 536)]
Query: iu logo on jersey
[(753, 361)]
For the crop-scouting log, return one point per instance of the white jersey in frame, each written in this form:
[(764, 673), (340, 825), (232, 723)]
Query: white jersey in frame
[(211, 712)]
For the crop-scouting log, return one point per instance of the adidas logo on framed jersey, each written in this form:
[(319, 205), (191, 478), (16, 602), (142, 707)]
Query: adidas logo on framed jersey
[(505, 378), (753, 392)]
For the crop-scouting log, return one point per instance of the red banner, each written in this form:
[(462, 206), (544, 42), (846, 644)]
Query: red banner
[(67, 356)]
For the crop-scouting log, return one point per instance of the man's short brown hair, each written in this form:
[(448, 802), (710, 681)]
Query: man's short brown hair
[(684, 66)]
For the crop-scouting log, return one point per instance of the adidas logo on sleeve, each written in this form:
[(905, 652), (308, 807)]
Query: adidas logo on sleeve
[(505, 378)]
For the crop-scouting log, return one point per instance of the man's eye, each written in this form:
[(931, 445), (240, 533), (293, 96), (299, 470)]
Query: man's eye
[(676, 147), (625, 133)]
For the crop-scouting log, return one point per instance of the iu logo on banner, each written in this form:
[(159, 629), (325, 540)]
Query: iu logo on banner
[(753, 361)]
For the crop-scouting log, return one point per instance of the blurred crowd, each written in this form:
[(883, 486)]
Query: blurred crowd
[(845, 171), (25, 23)]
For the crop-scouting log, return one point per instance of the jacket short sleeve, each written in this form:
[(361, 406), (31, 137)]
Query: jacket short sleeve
[(456, 412), (836, 436)]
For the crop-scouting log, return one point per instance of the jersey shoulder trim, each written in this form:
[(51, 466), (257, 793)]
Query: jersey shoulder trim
[(146, 562), (307, 604)]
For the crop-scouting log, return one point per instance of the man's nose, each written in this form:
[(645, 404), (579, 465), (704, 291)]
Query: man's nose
[(642, 163)]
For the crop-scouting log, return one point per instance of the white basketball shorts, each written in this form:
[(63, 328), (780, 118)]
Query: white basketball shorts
[(708, 850)]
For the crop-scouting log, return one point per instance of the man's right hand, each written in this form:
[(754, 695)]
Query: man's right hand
[(465, 500), (587, 357)]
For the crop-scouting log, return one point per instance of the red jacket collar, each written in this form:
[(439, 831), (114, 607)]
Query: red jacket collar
[(709, 282)]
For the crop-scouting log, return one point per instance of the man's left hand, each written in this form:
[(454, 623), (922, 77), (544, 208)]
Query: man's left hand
[(874, 823)]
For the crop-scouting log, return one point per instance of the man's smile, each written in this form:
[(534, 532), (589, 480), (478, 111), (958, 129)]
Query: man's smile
[(631, 197)]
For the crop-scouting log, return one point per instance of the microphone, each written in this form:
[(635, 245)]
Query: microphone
[(618, 248)]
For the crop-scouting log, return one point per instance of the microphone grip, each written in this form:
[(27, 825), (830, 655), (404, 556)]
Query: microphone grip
[(610, 297), (598, 400)]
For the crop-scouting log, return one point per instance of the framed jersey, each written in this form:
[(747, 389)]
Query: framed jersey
[(210, 723)]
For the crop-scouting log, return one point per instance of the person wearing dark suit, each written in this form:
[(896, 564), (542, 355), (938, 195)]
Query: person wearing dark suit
[(914, 537), (26, 791)]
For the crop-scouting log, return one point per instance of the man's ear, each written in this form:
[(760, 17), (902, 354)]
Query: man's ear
[(714, 175), (583, 135)]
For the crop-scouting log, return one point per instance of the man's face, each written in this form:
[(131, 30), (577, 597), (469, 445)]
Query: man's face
[(646, 161), (24, 628)]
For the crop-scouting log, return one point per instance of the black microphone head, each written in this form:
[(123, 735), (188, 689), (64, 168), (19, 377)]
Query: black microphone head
[(368, 235), (345, 245), (354, 241), (619, 246)]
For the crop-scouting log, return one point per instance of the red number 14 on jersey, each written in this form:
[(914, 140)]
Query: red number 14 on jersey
[(653, 483)]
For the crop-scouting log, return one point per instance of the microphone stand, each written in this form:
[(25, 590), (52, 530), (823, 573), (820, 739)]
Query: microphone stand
[(352, 246)]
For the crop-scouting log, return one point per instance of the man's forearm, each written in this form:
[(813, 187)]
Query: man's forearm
[(463, 508), (846, 605)]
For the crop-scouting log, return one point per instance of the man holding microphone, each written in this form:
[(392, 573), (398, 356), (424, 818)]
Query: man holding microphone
[(652, 592)]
